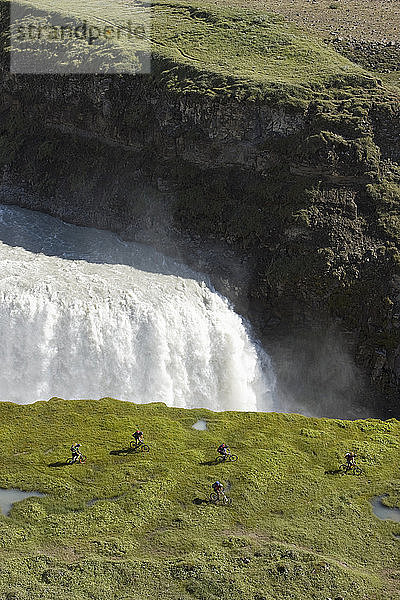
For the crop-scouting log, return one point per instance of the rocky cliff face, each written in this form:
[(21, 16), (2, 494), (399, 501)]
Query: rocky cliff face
[(305, 198)]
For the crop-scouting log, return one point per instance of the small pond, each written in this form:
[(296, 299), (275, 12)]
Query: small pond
[(200, 425), (10, 497), (384, 512)]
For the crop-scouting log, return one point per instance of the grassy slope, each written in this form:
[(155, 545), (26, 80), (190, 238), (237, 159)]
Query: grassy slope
[(372, 21), (219, 50), (307, 531)]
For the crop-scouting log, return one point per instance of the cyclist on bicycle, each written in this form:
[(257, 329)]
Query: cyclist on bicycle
[(76, 453), (223, 450), (350, 458), (138, 436), (218, 489)]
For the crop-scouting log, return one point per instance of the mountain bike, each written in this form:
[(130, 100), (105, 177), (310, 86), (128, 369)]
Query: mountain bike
[(214, 498), (226, 457), (79, 458), (354, 469), (140, 446)]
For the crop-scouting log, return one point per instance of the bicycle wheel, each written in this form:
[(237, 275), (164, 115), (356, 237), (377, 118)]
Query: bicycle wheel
[(220, 459), (132, 444), (82, 459), (144, 448), (357, 470), (70, 461), (227, 501), (344, 468), (233, 458), (214, 497)]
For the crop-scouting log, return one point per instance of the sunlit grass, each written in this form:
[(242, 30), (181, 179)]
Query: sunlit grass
[(218, 51), (296, 526)]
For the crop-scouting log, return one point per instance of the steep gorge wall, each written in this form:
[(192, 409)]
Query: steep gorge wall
[(305, 196)]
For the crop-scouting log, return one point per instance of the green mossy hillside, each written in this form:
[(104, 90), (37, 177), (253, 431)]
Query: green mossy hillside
[(201, 49), (137, 525)]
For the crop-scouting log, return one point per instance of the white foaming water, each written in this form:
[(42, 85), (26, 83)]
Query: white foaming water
[(86, 315)]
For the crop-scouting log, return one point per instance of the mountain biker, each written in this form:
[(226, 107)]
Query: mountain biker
[(223, 450), (138, 435), (218, 489), (350, 458), (76, 453)]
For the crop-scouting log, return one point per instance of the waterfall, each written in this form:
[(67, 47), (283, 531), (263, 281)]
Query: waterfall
[(85, 315)]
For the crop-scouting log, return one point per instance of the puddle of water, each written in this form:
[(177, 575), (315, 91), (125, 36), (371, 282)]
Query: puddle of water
[(200, 425), (384, 512), (10, 497)]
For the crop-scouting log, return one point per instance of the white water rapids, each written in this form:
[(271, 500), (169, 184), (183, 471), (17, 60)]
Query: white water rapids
[(86, 315)]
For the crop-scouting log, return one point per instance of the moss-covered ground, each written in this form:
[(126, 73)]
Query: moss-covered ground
[(211, 50), (296, 529)]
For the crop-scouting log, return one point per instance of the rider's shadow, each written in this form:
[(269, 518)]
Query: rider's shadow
[(209, 463), (122, 451), (59, 464), (333, 472), (200, 501)]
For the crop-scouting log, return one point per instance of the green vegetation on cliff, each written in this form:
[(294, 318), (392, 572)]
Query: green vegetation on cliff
[(216, 51), (134, 525)]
